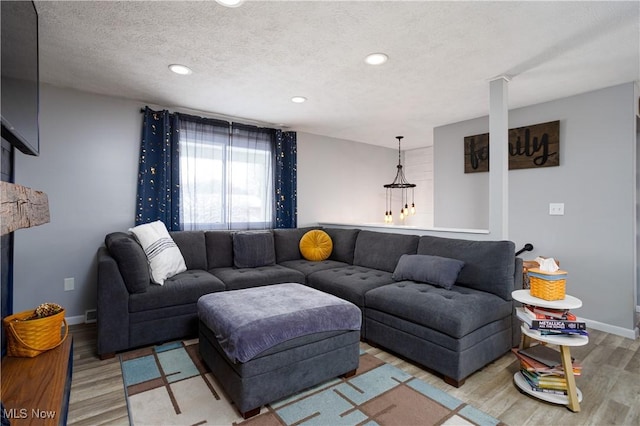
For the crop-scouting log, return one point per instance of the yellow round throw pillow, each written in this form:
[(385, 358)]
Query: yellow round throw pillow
[(316, 245)]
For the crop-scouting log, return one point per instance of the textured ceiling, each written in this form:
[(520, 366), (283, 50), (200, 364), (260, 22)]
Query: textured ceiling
[(249, 61)]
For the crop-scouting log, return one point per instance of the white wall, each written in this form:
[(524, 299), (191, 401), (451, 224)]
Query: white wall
[(595, 239), (418, 168), (88, 167), (342, 181)]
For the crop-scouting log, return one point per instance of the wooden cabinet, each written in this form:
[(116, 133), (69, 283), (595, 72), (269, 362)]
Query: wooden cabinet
[(35, 391)]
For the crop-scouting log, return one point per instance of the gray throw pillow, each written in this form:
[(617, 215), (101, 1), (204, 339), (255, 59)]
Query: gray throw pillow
[(131, 261), (253, 248), (435, 270)]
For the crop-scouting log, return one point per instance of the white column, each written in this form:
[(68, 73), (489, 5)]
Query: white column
[(499, 159)]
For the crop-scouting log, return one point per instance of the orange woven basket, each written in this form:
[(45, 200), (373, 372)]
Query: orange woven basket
[(547, 285), (32, 337)]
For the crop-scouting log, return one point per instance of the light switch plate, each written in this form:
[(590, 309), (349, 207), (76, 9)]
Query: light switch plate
[(69, 284)]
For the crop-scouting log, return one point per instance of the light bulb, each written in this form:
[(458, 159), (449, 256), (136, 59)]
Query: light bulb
[(401, 214), (413, 208), (406, 210)]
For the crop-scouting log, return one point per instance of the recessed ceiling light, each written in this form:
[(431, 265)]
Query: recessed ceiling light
[(376, 59), (298, 99), (180, 69), (230, 3)]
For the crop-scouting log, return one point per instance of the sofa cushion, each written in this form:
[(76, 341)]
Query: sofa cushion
[(183, 288), (381, 250), (488, 265), (436, 270), (455, 312), (308, 267), (192, 247), (350, 282), (163, 255), (131, 260), (316, 245), (235, 278), (219, 249), (253, 248), (344, 244), (287, 243)]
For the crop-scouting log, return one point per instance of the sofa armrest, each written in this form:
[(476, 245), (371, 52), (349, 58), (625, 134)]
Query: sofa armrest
[(515, 322), (113, 306)]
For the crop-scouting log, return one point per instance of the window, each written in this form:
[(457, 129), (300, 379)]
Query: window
[(226, 175)]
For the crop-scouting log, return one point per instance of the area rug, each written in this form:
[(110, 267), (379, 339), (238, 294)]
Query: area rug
[(171, 385)]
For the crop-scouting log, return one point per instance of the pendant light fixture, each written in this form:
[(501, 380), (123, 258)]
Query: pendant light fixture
[(401, 183)]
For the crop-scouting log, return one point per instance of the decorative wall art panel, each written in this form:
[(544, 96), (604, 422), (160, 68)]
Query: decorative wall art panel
[(532, 146)]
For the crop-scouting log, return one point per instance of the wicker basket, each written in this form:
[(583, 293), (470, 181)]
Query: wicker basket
[(547, 285), (32, 337)]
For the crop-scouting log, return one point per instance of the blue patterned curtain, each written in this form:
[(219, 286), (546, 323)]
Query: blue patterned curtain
[(158, 173), (286, 195)]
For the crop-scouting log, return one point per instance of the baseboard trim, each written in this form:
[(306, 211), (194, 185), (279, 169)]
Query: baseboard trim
[(75, 320), (613, 329)]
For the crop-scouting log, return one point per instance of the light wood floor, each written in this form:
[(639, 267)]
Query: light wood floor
[(610, 385)]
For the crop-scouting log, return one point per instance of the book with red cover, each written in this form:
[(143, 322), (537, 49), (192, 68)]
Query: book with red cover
[(544, 355), (534, 366), (549, 313)]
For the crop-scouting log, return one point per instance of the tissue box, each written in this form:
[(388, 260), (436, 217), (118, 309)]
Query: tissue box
[(547, 285), (529, 264)]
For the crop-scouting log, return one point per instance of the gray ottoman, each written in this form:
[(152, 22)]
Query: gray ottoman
[(266, 343)]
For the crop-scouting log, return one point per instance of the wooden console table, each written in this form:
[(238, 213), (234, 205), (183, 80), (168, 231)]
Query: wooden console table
[(35, 391)]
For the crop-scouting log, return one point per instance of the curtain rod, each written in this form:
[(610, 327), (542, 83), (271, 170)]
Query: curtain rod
[(232, 118)]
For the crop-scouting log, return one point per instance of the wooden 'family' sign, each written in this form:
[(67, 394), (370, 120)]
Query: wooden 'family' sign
[(529, 147)]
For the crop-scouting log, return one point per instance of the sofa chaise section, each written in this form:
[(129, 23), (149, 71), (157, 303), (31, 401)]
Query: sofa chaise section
[(457, 331)]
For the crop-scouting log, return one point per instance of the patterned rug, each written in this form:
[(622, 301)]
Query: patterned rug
[(170, 385)]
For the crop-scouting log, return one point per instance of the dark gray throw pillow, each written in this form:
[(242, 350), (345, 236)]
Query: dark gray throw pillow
[(131, 261), (253, 248), (435, 270)]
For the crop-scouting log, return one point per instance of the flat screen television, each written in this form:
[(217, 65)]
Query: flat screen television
[(20, 76)]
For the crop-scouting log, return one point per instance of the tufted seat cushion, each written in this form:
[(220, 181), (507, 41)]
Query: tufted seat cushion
[(308, 267), (238, 278), (181, 289), (349, 283), (456, 312)]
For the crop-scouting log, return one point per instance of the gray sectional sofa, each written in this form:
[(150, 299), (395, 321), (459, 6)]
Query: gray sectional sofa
[(452, 331)]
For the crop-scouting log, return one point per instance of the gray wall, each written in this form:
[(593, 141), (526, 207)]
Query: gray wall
[(595, 239), (88, 168)]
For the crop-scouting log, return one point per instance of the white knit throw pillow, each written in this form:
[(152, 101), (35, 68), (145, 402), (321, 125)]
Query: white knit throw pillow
[(163, 255)]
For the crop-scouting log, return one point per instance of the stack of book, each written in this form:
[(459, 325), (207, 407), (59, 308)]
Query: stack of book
[(542, 369), (551, 321)]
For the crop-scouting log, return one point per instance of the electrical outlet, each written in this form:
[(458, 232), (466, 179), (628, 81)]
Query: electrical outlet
[(556, 209), (69, 284)]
